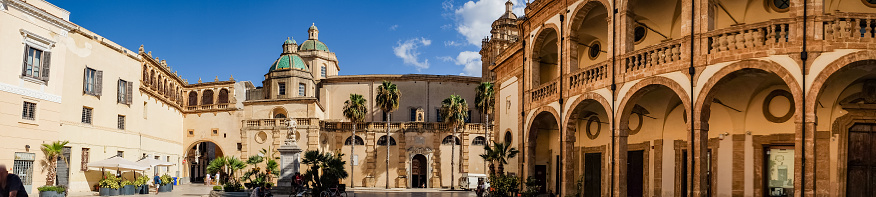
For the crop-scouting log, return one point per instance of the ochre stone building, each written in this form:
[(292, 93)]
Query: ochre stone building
[(688, 97), (60, 81)]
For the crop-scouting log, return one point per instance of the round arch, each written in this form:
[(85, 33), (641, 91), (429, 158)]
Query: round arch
[(639, 90), (544, 36), (707, 93), (279, 112), (582, 9), (196, 171), (817, 84), (588, 97)]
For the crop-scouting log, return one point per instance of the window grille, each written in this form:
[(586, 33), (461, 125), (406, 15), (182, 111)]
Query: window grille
[(86, 115), (29, 110)]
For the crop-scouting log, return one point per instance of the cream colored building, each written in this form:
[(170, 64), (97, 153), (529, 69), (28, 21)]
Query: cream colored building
[(62, 82)]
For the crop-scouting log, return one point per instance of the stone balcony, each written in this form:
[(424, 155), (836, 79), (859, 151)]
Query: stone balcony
[(332, 126)]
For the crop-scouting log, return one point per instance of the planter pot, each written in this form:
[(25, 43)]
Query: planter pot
[(143, 189), (164, 188), (104, 191), (113, 192), (127, 190), (51, 194)]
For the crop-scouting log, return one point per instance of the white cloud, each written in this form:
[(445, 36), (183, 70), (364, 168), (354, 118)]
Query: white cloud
[(453, 43), (407, 51), (474, 19), (393, 27), (471, 62), (445, 58)]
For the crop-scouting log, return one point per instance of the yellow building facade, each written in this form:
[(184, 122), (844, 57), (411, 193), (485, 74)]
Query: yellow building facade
[(61, 82)]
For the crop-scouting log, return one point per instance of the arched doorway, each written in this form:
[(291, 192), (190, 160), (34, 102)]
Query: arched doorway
[(542, 153), (198, 157), (418, 171)]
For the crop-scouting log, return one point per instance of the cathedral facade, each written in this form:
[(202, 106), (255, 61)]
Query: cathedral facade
[(688, 97), (59, 87)]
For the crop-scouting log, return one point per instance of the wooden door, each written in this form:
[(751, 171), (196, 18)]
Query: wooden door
[(418, 171), (592, 174), (861, 177), (635, 173), (541, 178)]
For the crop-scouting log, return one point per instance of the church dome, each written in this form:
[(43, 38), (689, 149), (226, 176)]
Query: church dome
[(287, 61), (310, 45)]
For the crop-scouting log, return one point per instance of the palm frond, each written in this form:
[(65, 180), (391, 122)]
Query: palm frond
[(485, 98), (388, 97), (355, 109)]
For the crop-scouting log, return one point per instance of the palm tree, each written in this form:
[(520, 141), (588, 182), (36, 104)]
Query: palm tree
[(499, 153), (387, 100), (489, 157), (454, 110), (52, 152), (485, 100), (355, 110), (226, 165), (332, 167)]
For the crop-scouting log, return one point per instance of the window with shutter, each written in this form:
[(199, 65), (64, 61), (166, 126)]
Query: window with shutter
[(130, 94), (121, 94), (88, 82), (47, 57), (36, 63), (98, 83)]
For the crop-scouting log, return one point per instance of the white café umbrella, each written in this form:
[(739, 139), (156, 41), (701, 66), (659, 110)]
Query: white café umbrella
[(151, 163), (118, 163)]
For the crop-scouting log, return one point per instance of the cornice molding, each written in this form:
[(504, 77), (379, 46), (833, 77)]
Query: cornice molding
[(29, 93), (41, 14)]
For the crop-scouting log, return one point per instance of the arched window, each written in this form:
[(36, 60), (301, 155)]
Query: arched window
[(508, 137), (279, 115), (382, 141), (207, 98), (223, 96), (193, 98), (479, 141), (349, 141), (449, 139)]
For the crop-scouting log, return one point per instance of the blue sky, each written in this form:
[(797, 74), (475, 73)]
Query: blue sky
[(205, 39)]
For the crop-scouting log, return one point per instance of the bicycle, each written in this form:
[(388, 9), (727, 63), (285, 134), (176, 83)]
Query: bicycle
[(333, 192), (300, 190)]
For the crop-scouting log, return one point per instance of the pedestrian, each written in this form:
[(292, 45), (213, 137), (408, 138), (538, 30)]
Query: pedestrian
[(218, 181), (157, 182), (480, 189), (208, 181), (10, 184)]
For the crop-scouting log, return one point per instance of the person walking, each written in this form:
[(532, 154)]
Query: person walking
[(208, 181), (157, 182), (10, 184), (218, 181)]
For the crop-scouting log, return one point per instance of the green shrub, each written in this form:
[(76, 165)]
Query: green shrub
[(504, 185), (217, 188), (59, 189), (142, 180), (532, 187), (165, 179), (127, 182), (109, 181)]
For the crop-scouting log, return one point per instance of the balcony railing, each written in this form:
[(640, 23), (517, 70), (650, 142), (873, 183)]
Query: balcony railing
[(544, 91), (276, 123), (851, 27), (768, 34), (589, 75), (208, 107), (401, 126), (666, 52)]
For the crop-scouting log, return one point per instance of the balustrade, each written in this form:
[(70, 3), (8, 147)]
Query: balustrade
[(666, 52), (545, 90), (589, 75), (755, 35), (850, 26)]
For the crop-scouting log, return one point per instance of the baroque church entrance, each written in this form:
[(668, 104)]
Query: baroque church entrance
[(418, 171)]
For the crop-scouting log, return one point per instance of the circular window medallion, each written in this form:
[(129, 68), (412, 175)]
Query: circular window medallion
[(261, 137), (593, 130), (637, 122), (639, 34), (769, 107), (779, 5), (595, 49), (870, 3)]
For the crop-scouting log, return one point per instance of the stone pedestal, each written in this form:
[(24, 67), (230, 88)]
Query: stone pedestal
[(289, 164)]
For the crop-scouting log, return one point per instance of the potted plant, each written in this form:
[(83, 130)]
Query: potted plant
[(50, 164), (166, 184), (141, 185), (52, 191), (217, 188), (109, 185), (127, 188)]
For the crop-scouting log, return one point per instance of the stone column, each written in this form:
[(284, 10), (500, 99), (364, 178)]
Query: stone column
[(620, 162), (700, 149), (567, 173)]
